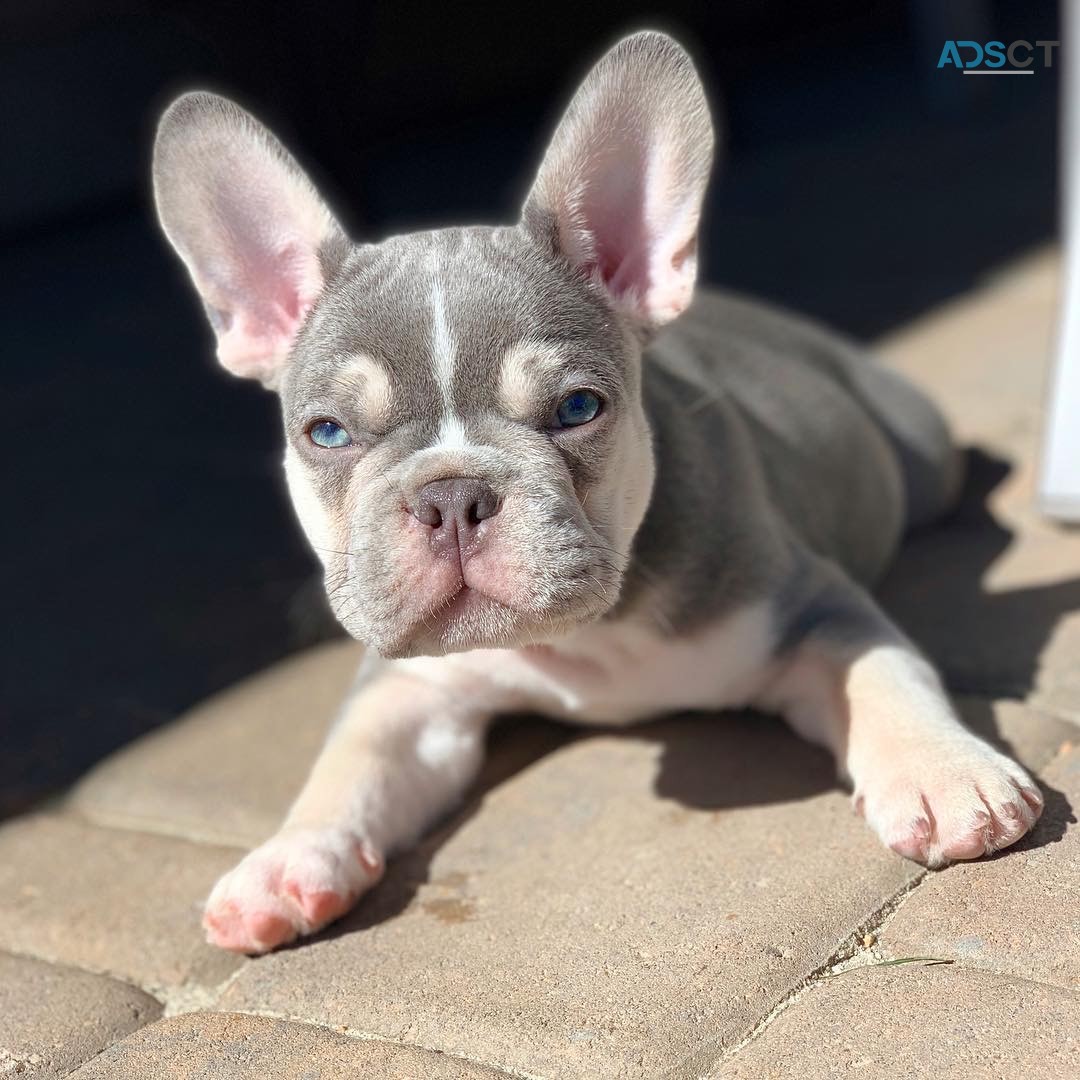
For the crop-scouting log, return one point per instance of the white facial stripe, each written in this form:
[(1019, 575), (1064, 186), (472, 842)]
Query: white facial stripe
[(452, 434), (518, 383), (371, 381), (442, 346), (452, 428)]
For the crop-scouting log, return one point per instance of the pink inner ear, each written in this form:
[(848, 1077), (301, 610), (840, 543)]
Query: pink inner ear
[(261, 294), (612, 209), (641, 231), (278, 278)]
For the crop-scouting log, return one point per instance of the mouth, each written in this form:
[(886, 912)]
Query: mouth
[(475, 617), (464, 587), (465, 600), (448, 604), (466, 618)]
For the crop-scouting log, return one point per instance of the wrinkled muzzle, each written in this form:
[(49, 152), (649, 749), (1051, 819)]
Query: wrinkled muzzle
[(459, 549)]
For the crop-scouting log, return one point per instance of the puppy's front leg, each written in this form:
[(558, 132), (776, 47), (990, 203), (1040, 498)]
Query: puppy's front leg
[(932, 790), (404, 749)]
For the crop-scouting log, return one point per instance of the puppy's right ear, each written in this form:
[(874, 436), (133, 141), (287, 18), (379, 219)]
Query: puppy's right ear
[(249, 225)]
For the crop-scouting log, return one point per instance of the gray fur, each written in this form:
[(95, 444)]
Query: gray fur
[(778, 449)]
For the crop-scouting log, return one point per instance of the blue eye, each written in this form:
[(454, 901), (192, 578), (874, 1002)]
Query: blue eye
[(578, 408), (328, 435)]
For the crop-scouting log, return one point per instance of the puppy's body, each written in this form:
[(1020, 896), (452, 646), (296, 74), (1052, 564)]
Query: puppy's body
[(754, 407), (527, 496)]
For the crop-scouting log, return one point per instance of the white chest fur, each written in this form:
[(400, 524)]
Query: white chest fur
[(616, 673)]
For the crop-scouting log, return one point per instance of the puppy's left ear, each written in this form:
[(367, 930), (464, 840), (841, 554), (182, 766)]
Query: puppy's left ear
[(620, 189)]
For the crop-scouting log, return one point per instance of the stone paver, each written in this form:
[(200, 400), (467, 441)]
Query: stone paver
[(110, 900), (885, 1023), (983, 356), (623, 900), (226, 773), (575, 923), (229, 1046), (54, 1018), (998, 609), (467, 944), (1018, 913)]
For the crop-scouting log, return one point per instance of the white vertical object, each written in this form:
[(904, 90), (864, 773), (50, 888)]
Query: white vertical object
[(1059, 485)]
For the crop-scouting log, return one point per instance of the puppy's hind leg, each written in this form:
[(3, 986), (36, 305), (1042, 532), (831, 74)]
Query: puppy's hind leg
[(932, 790), (407, 744)]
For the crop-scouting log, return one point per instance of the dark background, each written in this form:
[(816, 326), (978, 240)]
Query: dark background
[(150, 554)]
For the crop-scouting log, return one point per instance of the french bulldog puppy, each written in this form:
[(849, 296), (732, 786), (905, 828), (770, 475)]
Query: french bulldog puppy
[(542, 475)]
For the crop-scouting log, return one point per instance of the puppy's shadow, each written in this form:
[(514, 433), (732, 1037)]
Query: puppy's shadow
[(986, 643), (935, 591)]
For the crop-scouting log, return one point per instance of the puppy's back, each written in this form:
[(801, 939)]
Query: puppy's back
[(851, 454)]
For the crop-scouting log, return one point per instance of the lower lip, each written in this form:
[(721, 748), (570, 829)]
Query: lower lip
[(464, 599)]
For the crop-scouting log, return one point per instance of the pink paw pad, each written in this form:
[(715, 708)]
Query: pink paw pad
[(294, 884)]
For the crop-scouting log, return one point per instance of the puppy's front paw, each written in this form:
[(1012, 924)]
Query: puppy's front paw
[(294, 884), (936, 800)]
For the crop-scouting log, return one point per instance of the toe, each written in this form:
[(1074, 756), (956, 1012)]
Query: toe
[(322, 907), (225, 928), (902, 818), (318, 906), (972, 841), (913, 842), (1033, 799), (221, 928), (246, 932), (267, 930)]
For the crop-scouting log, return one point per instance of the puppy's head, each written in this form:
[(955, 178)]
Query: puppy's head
[(466, 445)]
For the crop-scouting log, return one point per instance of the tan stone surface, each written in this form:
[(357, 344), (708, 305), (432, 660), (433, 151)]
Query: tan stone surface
[(227, 771), (887, 1023), (110, 900), (1018, 913), (995, 600), (985, 355), (994, 594), (621, 901), (228, 1046), (54, 1018), (745, 811)]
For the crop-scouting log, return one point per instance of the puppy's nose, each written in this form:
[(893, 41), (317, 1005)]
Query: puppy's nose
[(455, 508)]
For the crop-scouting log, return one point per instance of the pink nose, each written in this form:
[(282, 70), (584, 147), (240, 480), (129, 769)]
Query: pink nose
[(455, 509)]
